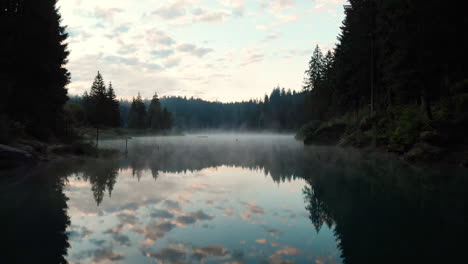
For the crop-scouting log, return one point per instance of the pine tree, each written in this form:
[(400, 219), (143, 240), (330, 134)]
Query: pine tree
[(137, 116), (33, 54), (98, 89), (155, 114), (327, 64), (97, 103), (315, 70), (113, 107)]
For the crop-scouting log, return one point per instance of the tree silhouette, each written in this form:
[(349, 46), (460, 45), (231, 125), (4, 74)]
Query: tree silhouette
[(137, 116), (155, 115), (32, 73)]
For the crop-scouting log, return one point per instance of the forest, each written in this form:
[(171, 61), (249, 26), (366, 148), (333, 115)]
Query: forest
[(281, 111), (396, 79), (365, 162)]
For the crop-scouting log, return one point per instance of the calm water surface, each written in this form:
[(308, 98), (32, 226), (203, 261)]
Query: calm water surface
[(235, 199)]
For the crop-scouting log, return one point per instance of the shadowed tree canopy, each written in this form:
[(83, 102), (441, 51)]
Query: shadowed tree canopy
[(33, 53), (390, 53)]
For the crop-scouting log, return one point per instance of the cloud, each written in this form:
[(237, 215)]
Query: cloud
[(100, 255), (200, 253), (253, 58), (285, 18), (123, 240), (192, 218), (112, 59), (277, 9), (280, 4), (97, 242), (172, 11), (271, 37), (79, 233), (181, 253), (106, 254), (153, 67), (155, 231), (251, 211), (127, 49), (277, 256), (162, 53), (77, 34), (132, 206), (168, 255), (227, 211), (106, 13), (173, 206), (214, 17), (172, 62), (237, 6), (126, 218), (155, 36), (161, 213), (272, 231), (122, 28), (327, 5), (194, 50)]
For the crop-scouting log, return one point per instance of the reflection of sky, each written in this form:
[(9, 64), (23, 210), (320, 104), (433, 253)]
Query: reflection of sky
[(216, 215)]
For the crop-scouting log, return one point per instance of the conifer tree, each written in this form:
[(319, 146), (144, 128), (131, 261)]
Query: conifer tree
[(315, 70), (155, 114), (96, 103), (137, 116), (113, 107), (98, 89), (33, 55)]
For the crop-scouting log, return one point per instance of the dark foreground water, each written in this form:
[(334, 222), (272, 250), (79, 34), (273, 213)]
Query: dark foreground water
[(235, 199)]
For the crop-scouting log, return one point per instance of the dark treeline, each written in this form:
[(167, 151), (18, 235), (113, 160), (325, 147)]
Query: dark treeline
[(33, 52), (397, 79), (390, 53), (281, 110), (100, 108)]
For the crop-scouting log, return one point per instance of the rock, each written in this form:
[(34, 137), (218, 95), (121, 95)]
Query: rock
[(11, 157), (423, 152)]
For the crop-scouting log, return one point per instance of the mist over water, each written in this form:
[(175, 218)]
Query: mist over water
[(237, 198)]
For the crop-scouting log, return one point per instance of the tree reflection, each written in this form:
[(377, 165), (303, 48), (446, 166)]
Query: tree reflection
[(392, 215), (317, 209), (380, 210), (102, 175), (34, 218)]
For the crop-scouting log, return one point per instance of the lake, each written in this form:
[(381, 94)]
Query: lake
[(235, 198)]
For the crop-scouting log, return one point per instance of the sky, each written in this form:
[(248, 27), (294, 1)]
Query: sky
[(217, 50)]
